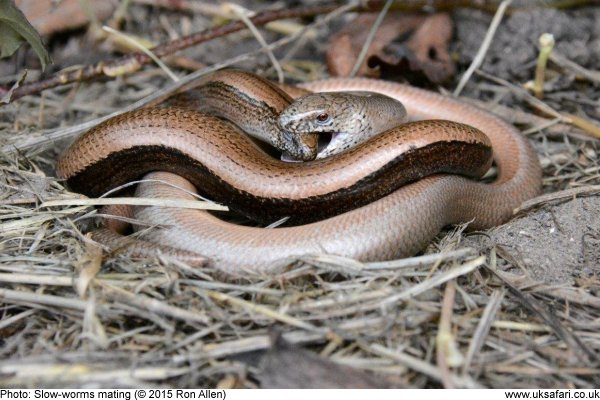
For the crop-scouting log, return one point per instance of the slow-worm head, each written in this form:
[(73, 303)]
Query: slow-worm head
[(348, 117)]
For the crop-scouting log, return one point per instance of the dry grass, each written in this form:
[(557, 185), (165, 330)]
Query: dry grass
[(73, 314)]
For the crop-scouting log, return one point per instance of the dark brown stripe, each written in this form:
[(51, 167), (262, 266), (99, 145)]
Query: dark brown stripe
[(455, 157)]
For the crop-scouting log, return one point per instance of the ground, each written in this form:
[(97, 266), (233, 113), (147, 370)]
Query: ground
[(515, 306)]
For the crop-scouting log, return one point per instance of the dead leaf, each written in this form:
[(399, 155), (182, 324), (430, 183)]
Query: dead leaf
[(406, 47)]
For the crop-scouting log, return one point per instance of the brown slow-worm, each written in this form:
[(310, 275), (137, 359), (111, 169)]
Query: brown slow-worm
[(399, 224)]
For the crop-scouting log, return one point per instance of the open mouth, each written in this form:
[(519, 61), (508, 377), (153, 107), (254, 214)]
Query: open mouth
[(325, 139)]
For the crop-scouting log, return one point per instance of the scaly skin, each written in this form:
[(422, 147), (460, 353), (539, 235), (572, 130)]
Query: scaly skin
[(396, 225)]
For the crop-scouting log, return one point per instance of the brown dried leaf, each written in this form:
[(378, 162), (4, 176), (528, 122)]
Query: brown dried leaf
[(406, 47)]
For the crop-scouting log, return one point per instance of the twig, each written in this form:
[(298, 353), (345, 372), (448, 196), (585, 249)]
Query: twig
[(563, 195), (445, 345), (154, 305), (546, 46), (487, 40), (422, 366), (286, 319), (18, 296), (194, 6), (436, 280), (580, 122), (519, 326), (134, 61), (564, 62), (579, 348), (489, 313), (261, 342), (524, 94), (137, 201), (66, 281), (414, 6), (421, 260), (242, 15), (11, 320), (583, 123), (144, 50), (555, 126), (370, 37), (20, 374)]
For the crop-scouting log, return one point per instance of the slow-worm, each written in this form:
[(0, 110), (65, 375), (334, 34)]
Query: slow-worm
[(399, 224)]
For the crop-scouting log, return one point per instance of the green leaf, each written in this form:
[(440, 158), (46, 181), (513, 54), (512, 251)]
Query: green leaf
[(15, 29)]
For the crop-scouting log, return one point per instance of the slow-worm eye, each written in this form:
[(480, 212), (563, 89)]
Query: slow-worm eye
[(322, 118)]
